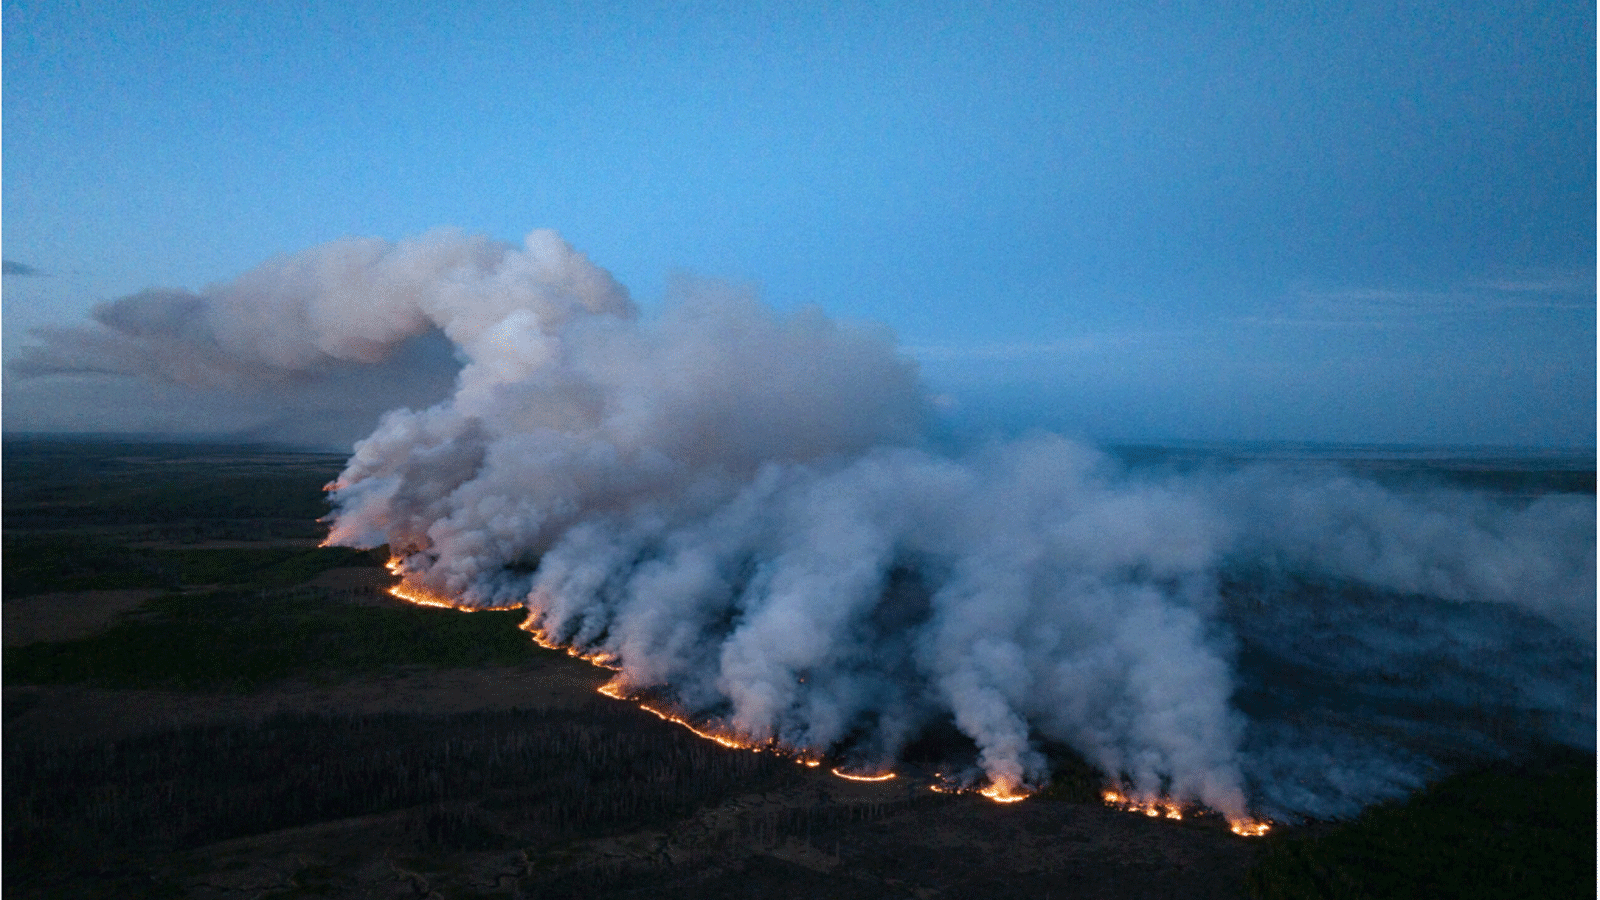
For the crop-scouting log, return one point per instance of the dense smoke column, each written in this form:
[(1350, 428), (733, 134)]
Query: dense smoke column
[(740, 510), (737, 508), (720, 498)]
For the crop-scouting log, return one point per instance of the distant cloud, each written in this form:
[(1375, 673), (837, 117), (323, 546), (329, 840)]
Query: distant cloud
[(16, 268), (1368, 307), (1571, 284), (1022, 350)]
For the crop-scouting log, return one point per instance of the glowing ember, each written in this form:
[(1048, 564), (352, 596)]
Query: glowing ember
[(1167, 808), (1249, 827), (421, 596), (1003, 793), (851, 776), (1160, 807), (999, 793)]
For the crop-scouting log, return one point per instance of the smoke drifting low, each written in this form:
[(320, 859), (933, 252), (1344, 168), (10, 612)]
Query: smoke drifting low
[(742, 510)]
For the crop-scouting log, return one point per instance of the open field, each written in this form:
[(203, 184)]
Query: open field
[(199, 702)]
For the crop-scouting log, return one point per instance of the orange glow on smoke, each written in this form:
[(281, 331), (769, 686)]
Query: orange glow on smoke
[(418, 595), (997, 792), (1004, 793), (596, 658)]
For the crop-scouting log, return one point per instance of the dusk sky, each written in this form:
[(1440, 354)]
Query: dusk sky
[(1344, 222)]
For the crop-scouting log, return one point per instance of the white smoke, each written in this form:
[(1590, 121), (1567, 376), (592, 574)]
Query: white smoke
[(741, 510), (299, 330)]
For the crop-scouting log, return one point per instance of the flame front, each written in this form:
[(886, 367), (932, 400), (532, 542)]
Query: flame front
[(999, 792), (1249, 827), (1004, 793), (852, 776), (1165, 807), (1160, 807), (615, 690), (419, 595)]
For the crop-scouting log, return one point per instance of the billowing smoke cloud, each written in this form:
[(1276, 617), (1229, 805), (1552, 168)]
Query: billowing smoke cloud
[(741, 511), (304, 333)]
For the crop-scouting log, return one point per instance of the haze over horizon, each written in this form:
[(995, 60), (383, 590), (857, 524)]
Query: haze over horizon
[(1120, 222)]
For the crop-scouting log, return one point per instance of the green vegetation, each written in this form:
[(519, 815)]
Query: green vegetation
[(492, 780), (1512, 830), (227, 532), (244, 640), (254, 567), (192, 492), (37, 563)]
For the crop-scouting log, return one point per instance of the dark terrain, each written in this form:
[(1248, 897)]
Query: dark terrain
[(200, 702)]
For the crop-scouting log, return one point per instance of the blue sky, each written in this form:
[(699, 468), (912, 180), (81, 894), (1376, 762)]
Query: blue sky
[(1362, 222)]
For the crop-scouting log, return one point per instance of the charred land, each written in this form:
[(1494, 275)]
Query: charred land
[(199, 701)]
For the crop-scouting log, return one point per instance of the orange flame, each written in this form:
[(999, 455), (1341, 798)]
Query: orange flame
[(1004, 793), (614, 689), (595, 657), (996, 791), (1171, 809), (1159, 807), (1249, 827), (418, 595), (851, 776)]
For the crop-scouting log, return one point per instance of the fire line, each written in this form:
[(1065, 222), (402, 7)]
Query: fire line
[(999, 793)]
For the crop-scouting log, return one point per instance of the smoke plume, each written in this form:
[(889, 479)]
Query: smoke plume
[(741, 510)]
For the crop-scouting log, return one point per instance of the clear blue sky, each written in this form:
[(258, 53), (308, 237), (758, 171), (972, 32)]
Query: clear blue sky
[(1369, 222)]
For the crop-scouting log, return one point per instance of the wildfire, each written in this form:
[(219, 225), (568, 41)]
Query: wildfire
[(1163, 807), (1158, 808), (732, 742), (419, 595), (594, 657), (999, 793), (852, 776), (1003, 793), (615, 689)]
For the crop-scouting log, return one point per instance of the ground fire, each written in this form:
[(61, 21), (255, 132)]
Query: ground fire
[(617, 690)]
